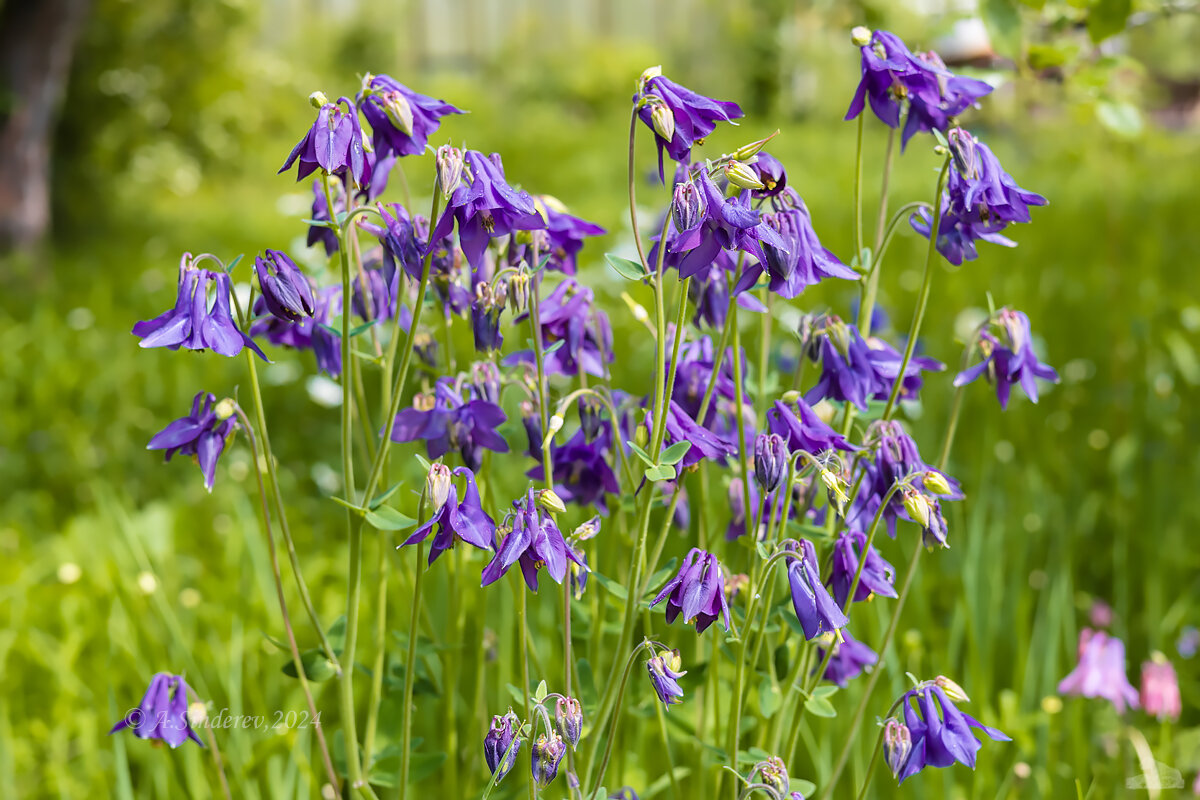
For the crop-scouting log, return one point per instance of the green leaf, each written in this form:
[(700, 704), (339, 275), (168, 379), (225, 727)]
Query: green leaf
[(675, 453), (554, 347), (657, 577), (1123, 119), (539, 694), (663, 783), (769, 698), (642, 454), (347, 504), (824, 691), (629, 270), (316, 666), (664, 472), (820, 707), (805, 788), (423, 461), (229, 267), (386, 518), (611, 586), (384, 495), (1107, 18), (517, 694), (355, 331), (319, 223)]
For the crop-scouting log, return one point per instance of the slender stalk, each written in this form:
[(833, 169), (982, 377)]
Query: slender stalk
[(616, 717), (216, 750), (739, 402), (680, 316), (380, 644), (764, 358), (410, 665), (858, 204), (862, 792), (523, 624), (633, 222), (867, 306)]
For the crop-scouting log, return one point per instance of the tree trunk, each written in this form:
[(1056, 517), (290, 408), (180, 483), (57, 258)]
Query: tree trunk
[(37, 39)]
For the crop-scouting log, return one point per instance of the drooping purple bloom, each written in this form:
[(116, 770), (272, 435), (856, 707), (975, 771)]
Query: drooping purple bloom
[(401, 120), (815, 609), (878, 576), (958, 93), (798, 260), (568, 719), (895, 457), (709, 293), (486, 308), (548, 752), (677, 116), (568, 315), (564, 235), (582, 473), (192, 324), (502, 734), (162, 714), (665, 673), (531, 419), (1101, 671), (285, 289), (202, 434), (533, 539), (771, 174), (378, 302), (485, 206), (312, 333), (957, 234), (680, 427), (857, 370), (456, 522), (850, 657), (1160, 689), (697, 590), (1008, 358), (452, 418), (334, 143), (803, 429), (940, 739)]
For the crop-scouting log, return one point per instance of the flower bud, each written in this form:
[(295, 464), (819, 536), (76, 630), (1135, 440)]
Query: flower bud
[(897, 744), (532, 421), (437, 486), (665, 673), (663, 119), (770, 460), (587, 530), (568, 719), (773, 773), (496, 744), (555, 423), (952, 689), (547, 499), (742, 176), (917, 506), (962, 149), (749, 151), (547, 753), (642, 437), (836, 486), (936, 482), (486, 309), (285, 289), (318, 99), (518, 292), (449, 162), (649, 74), (399, 111), (225, 408), (790, 396), (688, 206), (485, 377), (860, 36)]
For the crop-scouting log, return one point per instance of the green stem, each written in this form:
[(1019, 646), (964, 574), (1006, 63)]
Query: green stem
[(867, 307), (862, 792), (523, 624), (616, 717), (739, 404), (858, 204), (410, 664)]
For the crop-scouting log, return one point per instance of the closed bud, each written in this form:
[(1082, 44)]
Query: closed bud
[(897, 744), (917, 506), (936, 482), (773, 773), (518, 292), (770, 460), (590, 419), (532, 420), (225, 408), (285, 289), (860, 36), (790, 396), (399, 111), (952, 689), (749, 151), (449, 168), (642, 437), (649, 74), (547, 754), (836, 486), (500, 737), (555, 424), (318, 99), (742, 176), (688, 206), (485, 377), (962, 148), (568, 719), (437, 486), (663, 119), (550, 501)]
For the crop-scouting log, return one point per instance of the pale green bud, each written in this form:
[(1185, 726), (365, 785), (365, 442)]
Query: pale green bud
[(952, 689), (225, 409), (551, 501), (860, 36), (936, 482), (917, 506), (318, 99), (742, 176), (663, 120)]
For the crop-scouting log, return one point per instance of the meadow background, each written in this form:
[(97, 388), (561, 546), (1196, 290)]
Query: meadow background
[(178, 113)]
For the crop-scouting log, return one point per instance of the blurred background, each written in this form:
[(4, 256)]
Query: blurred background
[(134, 130)]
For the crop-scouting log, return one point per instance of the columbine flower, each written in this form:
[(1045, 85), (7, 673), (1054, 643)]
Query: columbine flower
[(815, 609), (665, 673), (709, 292), (456, 522), (582, 473), (1008, 358), (201, 434), (334, 143), (957, 95), (1160, 689), (162, 714), (697, 590), (895, 458), (878, 576), (568, 315), (450, 418), (803, 430), (939, 740), (857, 370), (564, 235), (500, 737), (485, 207), (680, 427), (547, 754), (897, 744), (192, 324), (568, 719), (770, 460), (1100, 671), (533, 538), (1188, 642), (401, 120), (486, 308), (678, 116), (771, 174), (850, 657), (285, 289), (798, 259)]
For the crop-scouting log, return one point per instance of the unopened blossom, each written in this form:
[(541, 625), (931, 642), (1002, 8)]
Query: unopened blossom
[(452, 418), (665, 673), (193, 324), (677, 116), (815, 609), (850, 657), (895, 459), (201, 434), (334, 143), (504, 733), (486, 308), (770, 460), (533, 539), (1101, 671), (1008, 358), (401, 120), (697, 591), (162, 714), (941, 733), (285, 289), (773, 773), (456, 521), (1160, 689), (897, 744), (795, 259), (878, 576), (771, 174), (547, 754)]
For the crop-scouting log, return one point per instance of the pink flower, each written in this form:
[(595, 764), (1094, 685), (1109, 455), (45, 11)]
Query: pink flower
[(1160, 689), (1100, 671)]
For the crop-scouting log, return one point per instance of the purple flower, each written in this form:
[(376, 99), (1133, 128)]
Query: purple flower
[(533, 538), (531, 419), (162, 714), (285, 289), (564, 235), (693, 373), (878, 576), (334, 143), (548, 752), (709, 292), (803, 430), (770, 460), (665, 673), (850, 657), (202, 434), (456, 522), (402, 248), (857, 370), (192, 324), (568, 719), (958, 233), (485, 207), (798, 260), (1101, 671), (500, 737), (1160, 689), (401, 120), (677, 116), (894, 458), (568, 315), (957, 95), (1008, 358), (815, 609), (771, 174), (940, 739), (581, 470), (452, 418), (314, 333), (697, 590), (680, 427), (486, 308)]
